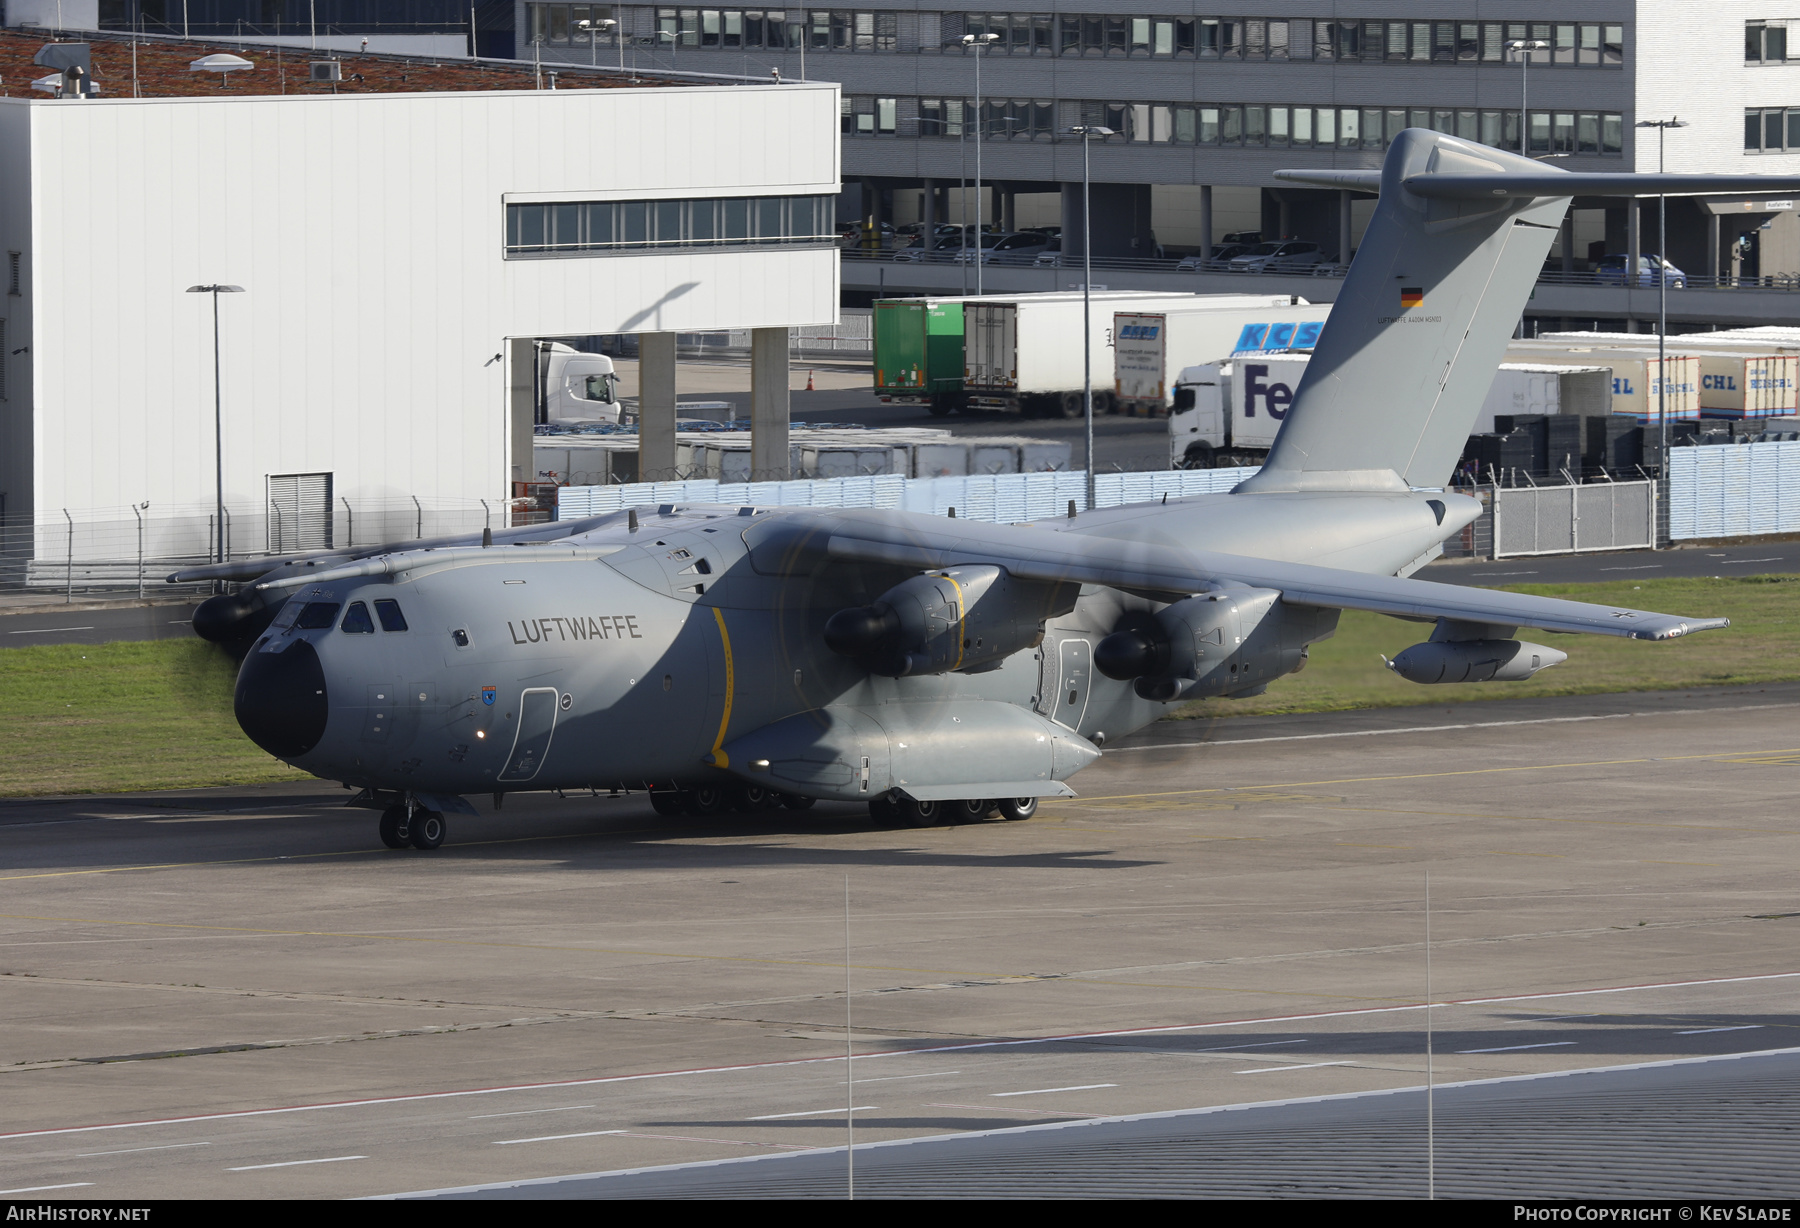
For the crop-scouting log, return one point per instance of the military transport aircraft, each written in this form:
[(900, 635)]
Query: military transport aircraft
[(942, 669)]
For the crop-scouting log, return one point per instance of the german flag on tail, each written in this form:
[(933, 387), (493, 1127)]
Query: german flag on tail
[(1411, 296)]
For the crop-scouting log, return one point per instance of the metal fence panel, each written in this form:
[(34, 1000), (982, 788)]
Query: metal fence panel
[(1573, 519)]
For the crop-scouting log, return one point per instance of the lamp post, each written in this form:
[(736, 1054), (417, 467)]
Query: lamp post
[(978, 41), (1085, 132), (1525, 46), (595, 27), (218, 418), (1662, 127)]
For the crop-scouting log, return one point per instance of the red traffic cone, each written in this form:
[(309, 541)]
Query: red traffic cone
[(809, 386)]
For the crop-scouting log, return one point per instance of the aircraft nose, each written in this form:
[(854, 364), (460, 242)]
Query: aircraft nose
[(280, 700)]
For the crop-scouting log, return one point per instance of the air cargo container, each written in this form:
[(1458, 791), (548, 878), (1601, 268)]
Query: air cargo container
[(1635, 386), (1151, 349), (1546, 388), (1024, 353), (1741, 376)]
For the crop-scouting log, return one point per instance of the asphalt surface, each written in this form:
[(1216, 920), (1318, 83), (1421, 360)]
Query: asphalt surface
[(97, 626), (1755, 559), (239, 993)]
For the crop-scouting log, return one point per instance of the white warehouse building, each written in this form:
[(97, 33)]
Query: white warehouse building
[(381, 357)]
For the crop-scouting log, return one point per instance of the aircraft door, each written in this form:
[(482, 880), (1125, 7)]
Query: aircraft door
[(1071, 695), (1049, 677), (537, 721)]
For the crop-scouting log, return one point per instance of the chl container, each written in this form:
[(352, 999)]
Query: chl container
[(1636, 376)]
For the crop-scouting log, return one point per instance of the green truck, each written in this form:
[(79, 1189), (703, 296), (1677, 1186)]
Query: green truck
[(919, 352)]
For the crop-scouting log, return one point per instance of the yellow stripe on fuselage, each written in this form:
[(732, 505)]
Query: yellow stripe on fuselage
[(719, 758)]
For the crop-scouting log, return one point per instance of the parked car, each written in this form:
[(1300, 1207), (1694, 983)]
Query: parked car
[(1218, 262), (1652, 270), (1288, 256), (1021, 248), (946, 250)]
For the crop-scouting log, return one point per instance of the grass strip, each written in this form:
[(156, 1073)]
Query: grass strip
[(157, 715)]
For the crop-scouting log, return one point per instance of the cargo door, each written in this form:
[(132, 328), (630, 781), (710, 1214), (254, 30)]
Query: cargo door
[(1071, 694), (944, 348), (988, 346), (899, 346), (1139, 353), (537, 722)]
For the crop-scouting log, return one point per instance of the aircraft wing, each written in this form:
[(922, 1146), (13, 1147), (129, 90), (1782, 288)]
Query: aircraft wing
[(1043, 554)]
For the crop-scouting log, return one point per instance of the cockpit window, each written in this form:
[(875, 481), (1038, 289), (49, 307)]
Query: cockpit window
[(316, 614), (388, 611), (357, 620)]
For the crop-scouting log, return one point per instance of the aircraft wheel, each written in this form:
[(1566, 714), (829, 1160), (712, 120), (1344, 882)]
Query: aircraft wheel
[(923, 814), (393, 827), (1016, 808), (666, 802), (427, 829), (753, 799), (707, 800), (969, 810), (794, 801)]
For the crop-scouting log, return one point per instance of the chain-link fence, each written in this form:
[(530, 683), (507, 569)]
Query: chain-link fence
[(129, 550)]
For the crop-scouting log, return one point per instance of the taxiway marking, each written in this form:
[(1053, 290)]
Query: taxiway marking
[(962, 1047), (250, 1168), (552, 1138), (1302, 1066), (861, 1108), (1045, 1091), (1547, 1044)]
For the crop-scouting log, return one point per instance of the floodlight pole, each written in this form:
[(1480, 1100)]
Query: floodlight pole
[(978, 41), (1662, 127), (1525, 46), (218, 416), (1087, 288)]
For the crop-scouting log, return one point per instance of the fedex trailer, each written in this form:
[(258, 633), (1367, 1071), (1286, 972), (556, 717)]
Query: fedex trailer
[(1151, 349), (1228, 413)]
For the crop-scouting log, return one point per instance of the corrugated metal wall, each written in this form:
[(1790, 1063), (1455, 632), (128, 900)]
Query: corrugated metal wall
[(1739, 490)]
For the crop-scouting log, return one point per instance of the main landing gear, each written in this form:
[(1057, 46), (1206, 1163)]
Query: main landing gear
[(709, 800), (424, 830), (938, 814)]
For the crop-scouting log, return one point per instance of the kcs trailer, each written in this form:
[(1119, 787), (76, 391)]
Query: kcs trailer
[(1024, 352), (1150, 349)]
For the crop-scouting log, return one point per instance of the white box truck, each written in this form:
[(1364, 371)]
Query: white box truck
[(1025, 353), (1228, 413), (576, 387), (1151, 349)]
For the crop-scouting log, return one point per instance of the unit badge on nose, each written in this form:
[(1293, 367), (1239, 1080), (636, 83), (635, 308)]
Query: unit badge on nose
[(487, 695)]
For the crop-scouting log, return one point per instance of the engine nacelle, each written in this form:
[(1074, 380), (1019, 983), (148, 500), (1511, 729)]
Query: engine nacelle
[(1474, 661), (1229, 642), (962, 619)]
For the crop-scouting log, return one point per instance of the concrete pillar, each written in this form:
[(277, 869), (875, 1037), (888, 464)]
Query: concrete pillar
[(769, 405), (1634, 240), (1206, 220), (1346, 227), (656, 407), (521, 408), (1071, 224), (1712, 247), (1284, 219), (1008, 208), (1568, 242), (928, 213)]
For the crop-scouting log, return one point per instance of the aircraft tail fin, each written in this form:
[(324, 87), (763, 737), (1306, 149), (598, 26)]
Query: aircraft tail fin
[(1423, 318)]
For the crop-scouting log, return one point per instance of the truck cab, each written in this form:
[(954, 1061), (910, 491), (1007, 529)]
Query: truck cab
[(1228, 413), (577, 387)]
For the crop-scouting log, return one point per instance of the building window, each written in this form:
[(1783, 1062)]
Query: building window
[(558, 25), (1772, 130), (590, 227), (1765, 42)]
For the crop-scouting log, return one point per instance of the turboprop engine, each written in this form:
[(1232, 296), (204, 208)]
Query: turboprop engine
[(1459, 652), (962, 619), (1227, 642)]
